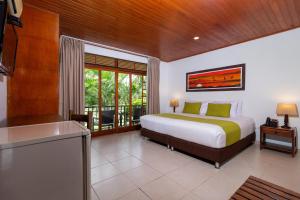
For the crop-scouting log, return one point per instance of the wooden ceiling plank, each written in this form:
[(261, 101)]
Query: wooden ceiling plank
[(277, 10), (165, 29), (292, 11)]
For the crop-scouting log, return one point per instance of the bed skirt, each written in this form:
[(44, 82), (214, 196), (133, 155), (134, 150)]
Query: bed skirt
[(217, 155)]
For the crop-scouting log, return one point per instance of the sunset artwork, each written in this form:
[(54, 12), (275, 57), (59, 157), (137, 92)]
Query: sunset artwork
[(218, 79)]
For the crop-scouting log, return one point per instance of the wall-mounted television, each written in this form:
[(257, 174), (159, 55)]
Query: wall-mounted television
[(3, 12), (8, 41), (9, 51)]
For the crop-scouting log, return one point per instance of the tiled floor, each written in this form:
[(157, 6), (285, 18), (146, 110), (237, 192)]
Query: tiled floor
[(127, 167)]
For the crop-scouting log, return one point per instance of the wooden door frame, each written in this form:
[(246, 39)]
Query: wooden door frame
[(116, 101), (100, 100), (130, 100), (117, 70)]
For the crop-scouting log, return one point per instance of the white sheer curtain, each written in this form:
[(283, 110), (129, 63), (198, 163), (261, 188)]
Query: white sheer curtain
[(71, 94), (153, 86)]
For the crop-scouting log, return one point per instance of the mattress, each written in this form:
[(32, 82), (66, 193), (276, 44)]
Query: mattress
[(201, 133)]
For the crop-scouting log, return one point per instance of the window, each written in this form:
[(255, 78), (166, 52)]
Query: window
[(115, 91)]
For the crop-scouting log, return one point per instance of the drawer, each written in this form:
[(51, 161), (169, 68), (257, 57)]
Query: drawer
[(269, 130), (279, 132), (283, 133)]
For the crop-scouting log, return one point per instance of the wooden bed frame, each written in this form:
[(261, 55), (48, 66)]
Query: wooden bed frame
[(217, 155)]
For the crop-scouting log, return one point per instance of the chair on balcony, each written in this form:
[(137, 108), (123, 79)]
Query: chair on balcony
[(83, 118), (108, 117), (136, 114)]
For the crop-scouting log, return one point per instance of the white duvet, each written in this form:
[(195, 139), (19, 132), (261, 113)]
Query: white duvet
[(205, 134)]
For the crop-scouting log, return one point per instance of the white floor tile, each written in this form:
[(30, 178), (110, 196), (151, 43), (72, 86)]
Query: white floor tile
[(117, 155), (127, 163), (103, 172), (93, 195), (97, 159), (142, 175), (220, 186), (114, 188), (192, 175), (123, 162), (191, 196), (135, 195), (164, 188)]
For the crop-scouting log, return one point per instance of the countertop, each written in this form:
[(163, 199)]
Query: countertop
[(31, 134)]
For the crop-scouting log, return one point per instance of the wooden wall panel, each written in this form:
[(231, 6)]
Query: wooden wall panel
[(34, 87)]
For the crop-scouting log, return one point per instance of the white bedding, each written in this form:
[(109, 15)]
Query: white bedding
[(205, 134)]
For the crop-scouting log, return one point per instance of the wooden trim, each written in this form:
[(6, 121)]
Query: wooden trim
[(127, 128), (144, 85), (142, 91), (115, 69), (117, 59), (130, 99), (103, 132), (116, 101), (115, 131), (100, 99)]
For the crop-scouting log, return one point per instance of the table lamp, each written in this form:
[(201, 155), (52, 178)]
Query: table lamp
[(287, 109), (174, 103)]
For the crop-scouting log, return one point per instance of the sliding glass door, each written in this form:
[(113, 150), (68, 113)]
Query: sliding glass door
[(108, 105), (123, 99), (92, 95), (117, 98), (138, 98)]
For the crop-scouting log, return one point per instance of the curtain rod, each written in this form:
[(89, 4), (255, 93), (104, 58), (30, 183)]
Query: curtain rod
[(107, 47)]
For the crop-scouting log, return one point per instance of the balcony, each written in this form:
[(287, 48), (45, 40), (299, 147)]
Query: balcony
[(108, 116)]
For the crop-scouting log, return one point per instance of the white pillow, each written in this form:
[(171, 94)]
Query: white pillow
[(203, 108), (240, 108)]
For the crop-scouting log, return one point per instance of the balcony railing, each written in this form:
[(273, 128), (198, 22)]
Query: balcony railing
[(108, 116)]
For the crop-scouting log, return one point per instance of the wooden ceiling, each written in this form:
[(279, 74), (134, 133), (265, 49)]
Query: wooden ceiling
[(165, 28)]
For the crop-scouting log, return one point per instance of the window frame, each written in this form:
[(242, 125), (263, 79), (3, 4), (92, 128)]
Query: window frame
[(116, 70)]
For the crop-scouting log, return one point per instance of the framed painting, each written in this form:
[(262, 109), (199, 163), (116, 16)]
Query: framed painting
[(217, 79)]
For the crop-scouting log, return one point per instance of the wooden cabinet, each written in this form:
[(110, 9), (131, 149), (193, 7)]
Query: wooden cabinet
[(289, 134), (34, 87)]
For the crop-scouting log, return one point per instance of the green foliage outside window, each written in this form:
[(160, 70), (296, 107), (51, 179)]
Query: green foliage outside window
[(108, 88), (91, 87)]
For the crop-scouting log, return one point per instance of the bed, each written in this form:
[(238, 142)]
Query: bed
[(204, 140)]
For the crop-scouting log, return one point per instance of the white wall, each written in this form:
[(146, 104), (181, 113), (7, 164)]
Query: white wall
[(272, 75), (3, 95), (114, 54)]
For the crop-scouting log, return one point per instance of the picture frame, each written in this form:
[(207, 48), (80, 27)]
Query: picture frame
[(229, 78)]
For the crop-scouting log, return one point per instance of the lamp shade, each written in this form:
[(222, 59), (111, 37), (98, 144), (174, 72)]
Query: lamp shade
[(287, 109), (174, 103)]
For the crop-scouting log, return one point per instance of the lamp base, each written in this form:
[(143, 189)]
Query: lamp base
[(286, 122)]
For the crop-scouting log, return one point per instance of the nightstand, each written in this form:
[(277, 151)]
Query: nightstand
[(290, 134)]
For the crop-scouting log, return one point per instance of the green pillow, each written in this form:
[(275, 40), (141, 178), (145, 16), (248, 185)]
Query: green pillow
[(218, 110), (192, 108)]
